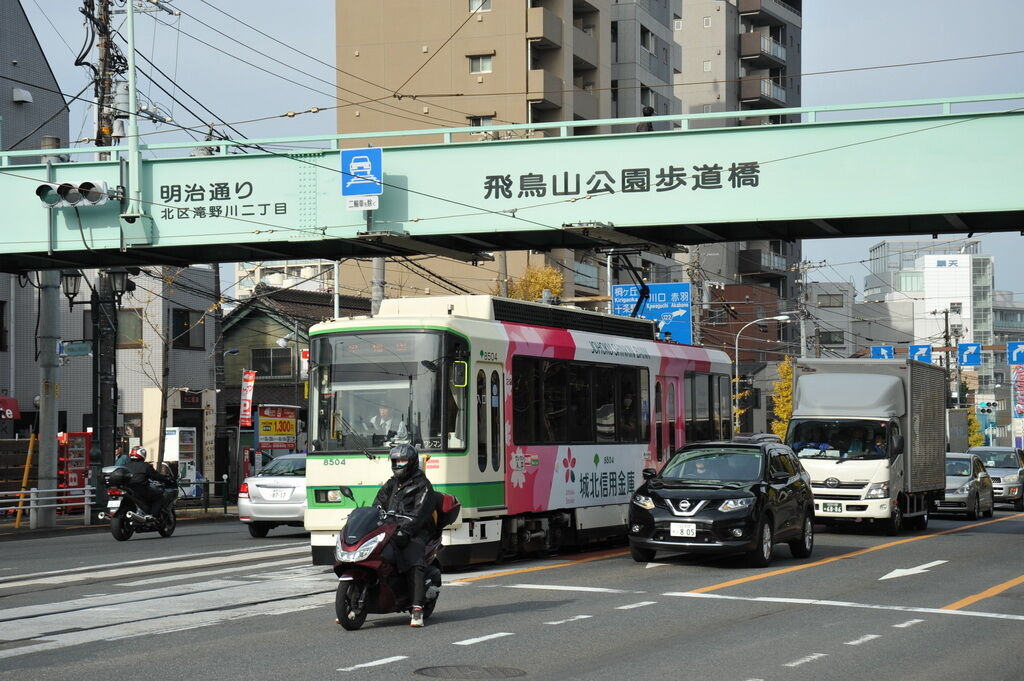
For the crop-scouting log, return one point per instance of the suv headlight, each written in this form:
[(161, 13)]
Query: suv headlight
[(362, 553), (643, 501), (877, 490), (1012, 478), (736, 504)]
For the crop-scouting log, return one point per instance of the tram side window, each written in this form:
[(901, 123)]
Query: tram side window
[(670, 415), (604, 403), (525, 398), (700, 427), (496, 424), (581, 413), (455, 412), (554, 406), (716, 408), (629, 405), (481, 421), (659, 422), (645, 406), (725, 405)]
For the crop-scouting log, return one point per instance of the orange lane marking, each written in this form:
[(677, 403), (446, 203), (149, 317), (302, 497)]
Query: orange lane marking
[(600, 556), (987, 593), (852, 554)]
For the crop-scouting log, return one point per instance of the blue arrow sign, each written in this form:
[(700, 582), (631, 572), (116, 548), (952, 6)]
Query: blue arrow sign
[(362, 172), (883, 352), (1015, 353), (668, 304), (968, 354), (922, 353)]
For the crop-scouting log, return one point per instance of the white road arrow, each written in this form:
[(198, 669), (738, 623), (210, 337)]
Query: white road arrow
[(903, 572)]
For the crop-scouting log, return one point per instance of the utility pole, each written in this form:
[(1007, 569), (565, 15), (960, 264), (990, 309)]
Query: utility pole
[(104, 79), (949, 373), (803, 313), (503, 274)]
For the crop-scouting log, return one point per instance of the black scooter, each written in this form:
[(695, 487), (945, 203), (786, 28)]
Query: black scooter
[(124, 509)]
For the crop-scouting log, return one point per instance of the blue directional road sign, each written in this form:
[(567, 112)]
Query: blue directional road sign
[(968, 354), (883, 352), (922, 353), (668, 304), (362, 172), (1015, 353)]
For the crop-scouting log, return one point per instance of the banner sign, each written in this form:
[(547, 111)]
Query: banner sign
[(245, 413), (1017, 392), (276, 427)]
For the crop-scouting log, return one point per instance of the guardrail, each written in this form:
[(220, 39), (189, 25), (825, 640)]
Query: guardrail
[(65, 498), (208, 486)]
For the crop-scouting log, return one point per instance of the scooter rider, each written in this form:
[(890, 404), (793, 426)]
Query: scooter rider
[(409, 493), (142, 473)]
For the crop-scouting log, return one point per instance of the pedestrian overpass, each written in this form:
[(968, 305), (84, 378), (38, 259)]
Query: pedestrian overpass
[(924, 167)]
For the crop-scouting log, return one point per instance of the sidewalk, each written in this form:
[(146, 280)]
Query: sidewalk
[(74, 523)]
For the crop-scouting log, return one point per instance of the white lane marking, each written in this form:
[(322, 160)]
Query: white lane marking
[(475, 574), (908, 623), (561, 587), (920, 569), (571, 619), (863, 639), (635, 605), (108, 566), (804, 660), (375, 663), (95, 573), (210, 573), (481, 639), (845, 604), (650, 565)]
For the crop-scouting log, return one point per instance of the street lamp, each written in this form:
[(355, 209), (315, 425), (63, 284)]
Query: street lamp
[(736, 367)]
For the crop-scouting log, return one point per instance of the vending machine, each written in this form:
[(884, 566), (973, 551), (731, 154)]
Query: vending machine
[(73, 464), (180, 455)]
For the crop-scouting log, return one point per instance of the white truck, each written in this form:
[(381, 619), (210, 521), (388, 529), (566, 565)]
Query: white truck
[(872, 435)]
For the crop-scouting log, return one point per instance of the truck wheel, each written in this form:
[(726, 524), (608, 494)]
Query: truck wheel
[(920, 522), (894, 525), (975, 509)]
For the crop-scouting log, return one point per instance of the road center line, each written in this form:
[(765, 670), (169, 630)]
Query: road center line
[(862, 639), (852, 554), (562, 587), (481, 639), (375, 663), (845, 604), (600, 556), (987, 593), (804, 660)]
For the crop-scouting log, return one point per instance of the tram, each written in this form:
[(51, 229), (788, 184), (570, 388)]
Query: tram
[(539, 418)]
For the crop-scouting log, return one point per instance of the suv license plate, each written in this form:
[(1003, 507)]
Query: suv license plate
[(683, 530), (832, 508)]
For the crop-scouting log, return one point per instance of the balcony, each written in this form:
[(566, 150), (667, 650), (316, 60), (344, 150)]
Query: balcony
[(584, 49), (762, 51), (544, 89), (584, 104), (761, 264), (760, 93), (543, 28), (769, 12)]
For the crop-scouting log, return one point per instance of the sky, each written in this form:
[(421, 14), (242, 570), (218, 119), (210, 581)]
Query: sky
[(836, 35)]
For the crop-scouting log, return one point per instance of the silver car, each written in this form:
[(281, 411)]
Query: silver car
[(1006, 467), (276, 496), (968, 487)]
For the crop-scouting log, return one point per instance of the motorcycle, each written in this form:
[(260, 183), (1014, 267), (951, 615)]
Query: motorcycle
[(123, 508), (368, 579)]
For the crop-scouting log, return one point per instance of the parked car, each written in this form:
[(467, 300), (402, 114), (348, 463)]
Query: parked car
[(275, 496), (743, 495), (1006, 466), (968, 487)]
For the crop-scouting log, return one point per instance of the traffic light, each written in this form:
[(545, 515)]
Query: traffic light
[(71, 194), (986, 407)]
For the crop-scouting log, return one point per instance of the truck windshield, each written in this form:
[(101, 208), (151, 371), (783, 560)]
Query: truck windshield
[(839, 439), (370, 390)]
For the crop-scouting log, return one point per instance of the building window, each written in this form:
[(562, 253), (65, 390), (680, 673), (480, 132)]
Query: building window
[(830, 337), (481, 121), (956, 308), (646, 39), (707, 22), (646, 96), (677, 24), (830, 300), (479, 5), (129, 329), (707, 65), (911, 281), (272, 362), (480, 63), (187, 330)]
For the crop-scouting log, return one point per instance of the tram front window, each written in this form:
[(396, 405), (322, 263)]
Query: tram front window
[(376, 389)]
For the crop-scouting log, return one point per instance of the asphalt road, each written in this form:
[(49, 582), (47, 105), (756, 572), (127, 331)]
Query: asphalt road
[(212, 603)]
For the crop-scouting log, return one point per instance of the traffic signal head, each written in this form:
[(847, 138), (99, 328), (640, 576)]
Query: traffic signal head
[(70, 194), (986, 407)]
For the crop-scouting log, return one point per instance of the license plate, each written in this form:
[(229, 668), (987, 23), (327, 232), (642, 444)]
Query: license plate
[(683, 530), (832, 508), (113, 505), (280, 493)]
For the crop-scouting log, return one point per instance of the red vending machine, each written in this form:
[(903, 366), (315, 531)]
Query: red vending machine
[(73, 464)]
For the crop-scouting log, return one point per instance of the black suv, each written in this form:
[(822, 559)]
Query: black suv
[(744, 495)]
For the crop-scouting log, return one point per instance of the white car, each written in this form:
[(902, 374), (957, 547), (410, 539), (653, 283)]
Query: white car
[(276, 496)]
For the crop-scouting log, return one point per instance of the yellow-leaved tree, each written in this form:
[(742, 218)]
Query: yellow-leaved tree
[(533, 282), (974, 435), (782, 398)]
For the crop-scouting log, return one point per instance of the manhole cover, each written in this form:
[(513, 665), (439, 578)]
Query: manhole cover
[(469, 671)]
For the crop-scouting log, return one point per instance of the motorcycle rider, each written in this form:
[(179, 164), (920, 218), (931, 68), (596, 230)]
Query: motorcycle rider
[(142, 473), (409, 493)]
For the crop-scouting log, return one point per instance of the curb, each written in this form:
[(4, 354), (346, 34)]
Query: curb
[(9, 533)]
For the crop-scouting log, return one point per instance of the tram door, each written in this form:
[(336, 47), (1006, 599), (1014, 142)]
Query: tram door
[(490, 426)]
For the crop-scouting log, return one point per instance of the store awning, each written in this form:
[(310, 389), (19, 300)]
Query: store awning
[(9, 408)]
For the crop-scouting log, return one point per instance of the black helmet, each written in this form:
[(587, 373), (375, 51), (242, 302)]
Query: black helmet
[(404, 461)]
